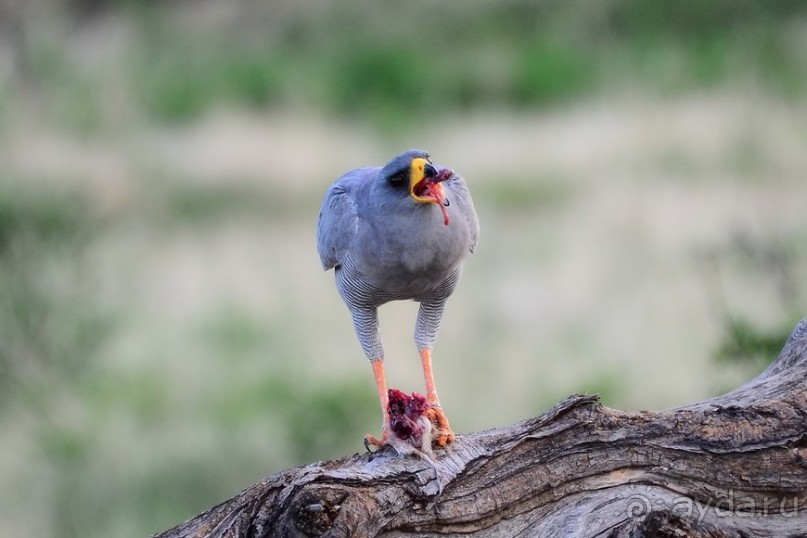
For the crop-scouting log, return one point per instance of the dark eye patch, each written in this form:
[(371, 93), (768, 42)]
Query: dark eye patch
[(398, 177)]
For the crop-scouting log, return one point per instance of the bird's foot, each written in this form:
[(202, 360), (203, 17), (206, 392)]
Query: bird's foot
[(370, 440), (442, 429)]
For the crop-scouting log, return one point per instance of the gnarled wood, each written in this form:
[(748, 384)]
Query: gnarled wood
[(732, 466)]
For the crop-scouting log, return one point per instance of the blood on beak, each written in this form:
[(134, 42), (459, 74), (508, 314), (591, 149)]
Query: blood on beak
[(425, 185)]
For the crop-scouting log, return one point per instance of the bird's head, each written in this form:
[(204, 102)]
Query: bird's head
[(413, 170)]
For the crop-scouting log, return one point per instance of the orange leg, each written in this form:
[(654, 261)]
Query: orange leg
[(383, 397), (444, 433)]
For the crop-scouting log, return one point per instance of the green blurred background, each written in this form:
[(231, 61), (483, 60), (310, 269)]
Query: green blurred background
[(167, 336)]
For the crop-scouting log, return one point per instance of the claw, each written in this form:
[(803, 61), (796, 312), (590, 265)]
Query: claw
[(370, 440), (444, 435)]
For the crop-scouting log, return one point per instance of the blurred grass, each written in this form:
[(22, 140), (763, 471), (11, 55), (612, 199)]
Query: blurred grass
[(747, 342), (395, 64), (176, 83), (43, 235), (407, 66), (512, 195)]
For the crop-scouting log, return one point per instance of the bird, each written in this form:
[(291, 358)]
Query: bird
[(398, 232)]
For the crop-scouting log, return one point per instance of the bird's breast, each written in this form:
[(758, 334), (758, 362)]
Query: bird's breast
[(408, 257)]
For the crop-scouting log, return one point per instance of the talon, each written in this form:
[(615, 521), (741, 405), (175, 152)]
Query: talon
[(370, 440), (442, 427)]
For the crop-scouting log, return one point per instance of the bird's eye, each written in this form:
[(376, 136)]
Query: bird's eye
[(398, 178)]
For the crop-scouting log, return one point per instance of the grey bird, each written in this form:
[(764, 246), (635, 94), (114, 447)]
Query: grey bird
[(398, 232)]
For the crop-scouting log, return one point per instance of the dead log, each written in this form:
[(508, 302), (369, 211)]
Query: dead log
[(732, 466)]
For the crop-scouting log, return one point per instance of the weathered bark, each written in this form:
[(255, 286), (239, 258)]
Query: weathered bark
[(732, 466)]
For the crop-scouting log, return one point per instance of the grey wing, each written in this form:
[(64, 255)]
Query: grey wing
[(474, 226), (469, 212), (337, 224)]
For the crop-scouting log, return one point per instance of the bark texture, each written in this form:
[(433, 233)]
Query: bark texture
[(732, 466)]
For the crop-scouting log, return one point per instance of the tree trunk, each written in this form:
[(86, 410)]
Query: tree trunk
[(732, 466)]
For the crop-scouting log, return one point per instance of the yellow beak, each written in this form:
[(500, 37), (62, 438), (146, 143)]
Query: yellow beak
[(416, 176)]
